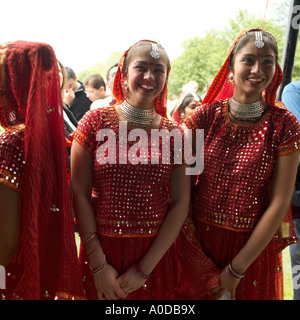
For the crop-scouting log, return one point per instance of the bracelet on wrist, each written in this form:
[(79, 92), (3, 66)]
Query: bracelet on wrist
[(99, 268), (233, 273), (91, 244), (140, 272)]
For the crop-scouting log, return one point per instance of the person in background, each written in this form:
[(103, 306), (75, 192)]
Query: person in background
[(37, 243), (185, 106), (191, 86), (81, 103), (291, 99), (130, 213), (69, 118), (251, 151), (110, 78), (97, 96), (95, 87)]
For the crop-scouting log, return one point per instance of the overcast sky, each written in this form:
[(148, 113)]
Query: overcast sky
[(88, 31)]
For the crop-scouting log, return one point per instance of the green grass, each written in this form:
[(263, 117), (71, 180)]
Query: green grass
[(77, 239), (287, 274)]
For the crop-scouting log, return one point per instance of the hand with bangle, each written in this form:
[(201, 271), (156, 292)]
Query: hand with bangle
[(105, 276), (133, 279), (229, 280), (233, 273)]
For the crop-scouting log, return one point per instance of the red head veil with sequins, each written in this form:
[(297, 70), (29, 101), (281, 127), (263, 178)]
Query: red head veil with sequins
[(119, 91), (221, 88), (31, 96)]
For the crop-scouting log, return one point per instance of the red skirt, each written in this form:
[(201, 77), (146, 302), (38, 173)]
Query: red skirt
[(121, 253), (264, 278), (184, 272)]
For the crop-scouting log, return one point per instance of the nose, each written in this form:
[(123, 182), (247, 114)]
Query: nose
[(148, 75), (256, 68)]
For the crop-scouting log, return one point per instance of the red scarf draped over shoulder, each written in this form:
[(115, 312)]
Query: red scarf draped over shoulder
[(31, 97)]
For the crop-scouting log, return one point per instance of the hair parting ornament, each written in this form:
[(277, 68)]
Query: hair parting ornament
[(258, 39), (154, 51)]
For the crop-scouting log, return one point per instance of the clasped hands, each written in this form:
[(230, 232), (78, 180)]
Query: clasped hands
[(111, 286)]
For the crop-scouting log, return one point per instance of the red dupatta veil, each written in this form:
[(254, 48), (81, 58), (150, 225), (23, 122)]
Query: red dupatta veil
[(31, 97)]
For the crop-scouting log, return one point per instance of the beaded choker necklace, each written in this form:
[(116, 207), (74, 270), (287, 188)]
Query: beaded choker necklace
[(137, 117), (247, 111)]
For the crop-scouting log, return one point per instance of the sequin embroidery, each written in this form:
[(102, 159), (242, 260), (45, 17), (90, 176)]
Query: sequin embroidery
[(234, 188), (130, 200), (12, 158)]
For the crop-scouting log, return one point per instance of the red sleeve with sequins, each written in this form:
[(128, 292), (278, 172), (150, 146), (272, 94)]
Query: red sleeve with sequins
[(202, 116), (87, 129), (288, 134), (12, 163)]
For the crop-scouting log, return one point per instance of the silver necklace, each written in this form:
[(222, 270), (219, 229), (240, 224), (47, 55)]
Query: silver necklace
[(136, 116), (247, 111)]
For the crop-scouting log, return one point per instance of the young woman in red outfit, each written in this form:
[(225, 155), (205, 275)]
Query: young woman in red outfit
[(251, 151), (130, 214)]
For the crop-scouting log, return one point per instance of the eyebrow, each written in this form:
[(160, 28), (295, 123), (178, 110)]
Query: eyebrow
[(156, 64), (253, 55)]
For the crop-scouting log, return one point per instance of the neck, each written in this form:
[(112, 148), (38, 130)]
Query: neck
[(142, 105), (77, 85), (246, 99)]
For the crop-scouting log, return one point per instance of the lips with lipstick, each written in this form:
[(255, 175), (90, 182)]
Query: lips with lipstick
[(255, 81), (147, 88)]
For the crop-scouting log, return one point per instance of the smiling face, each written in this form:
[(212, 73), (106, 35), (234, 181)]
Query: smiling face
[(253, 70), (146, 77)]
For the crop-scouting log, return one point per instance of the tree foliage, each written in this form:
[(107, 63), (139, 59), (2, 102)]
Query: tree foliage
[(202, 57), (100, 67)]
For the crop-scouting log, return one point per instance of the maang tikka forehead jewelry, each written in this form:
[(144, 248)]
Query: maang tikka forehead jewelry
[(154, 51), (259, 43)]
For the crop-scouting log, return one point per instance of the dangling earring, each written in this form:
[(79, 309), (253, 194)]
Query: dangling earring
[(230, 77), (12, 116), (125, 85)]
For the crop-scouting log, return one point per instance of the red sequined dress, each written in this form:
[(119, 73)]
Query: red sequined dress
[(233, 190), (130, 202), (12, 170)]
